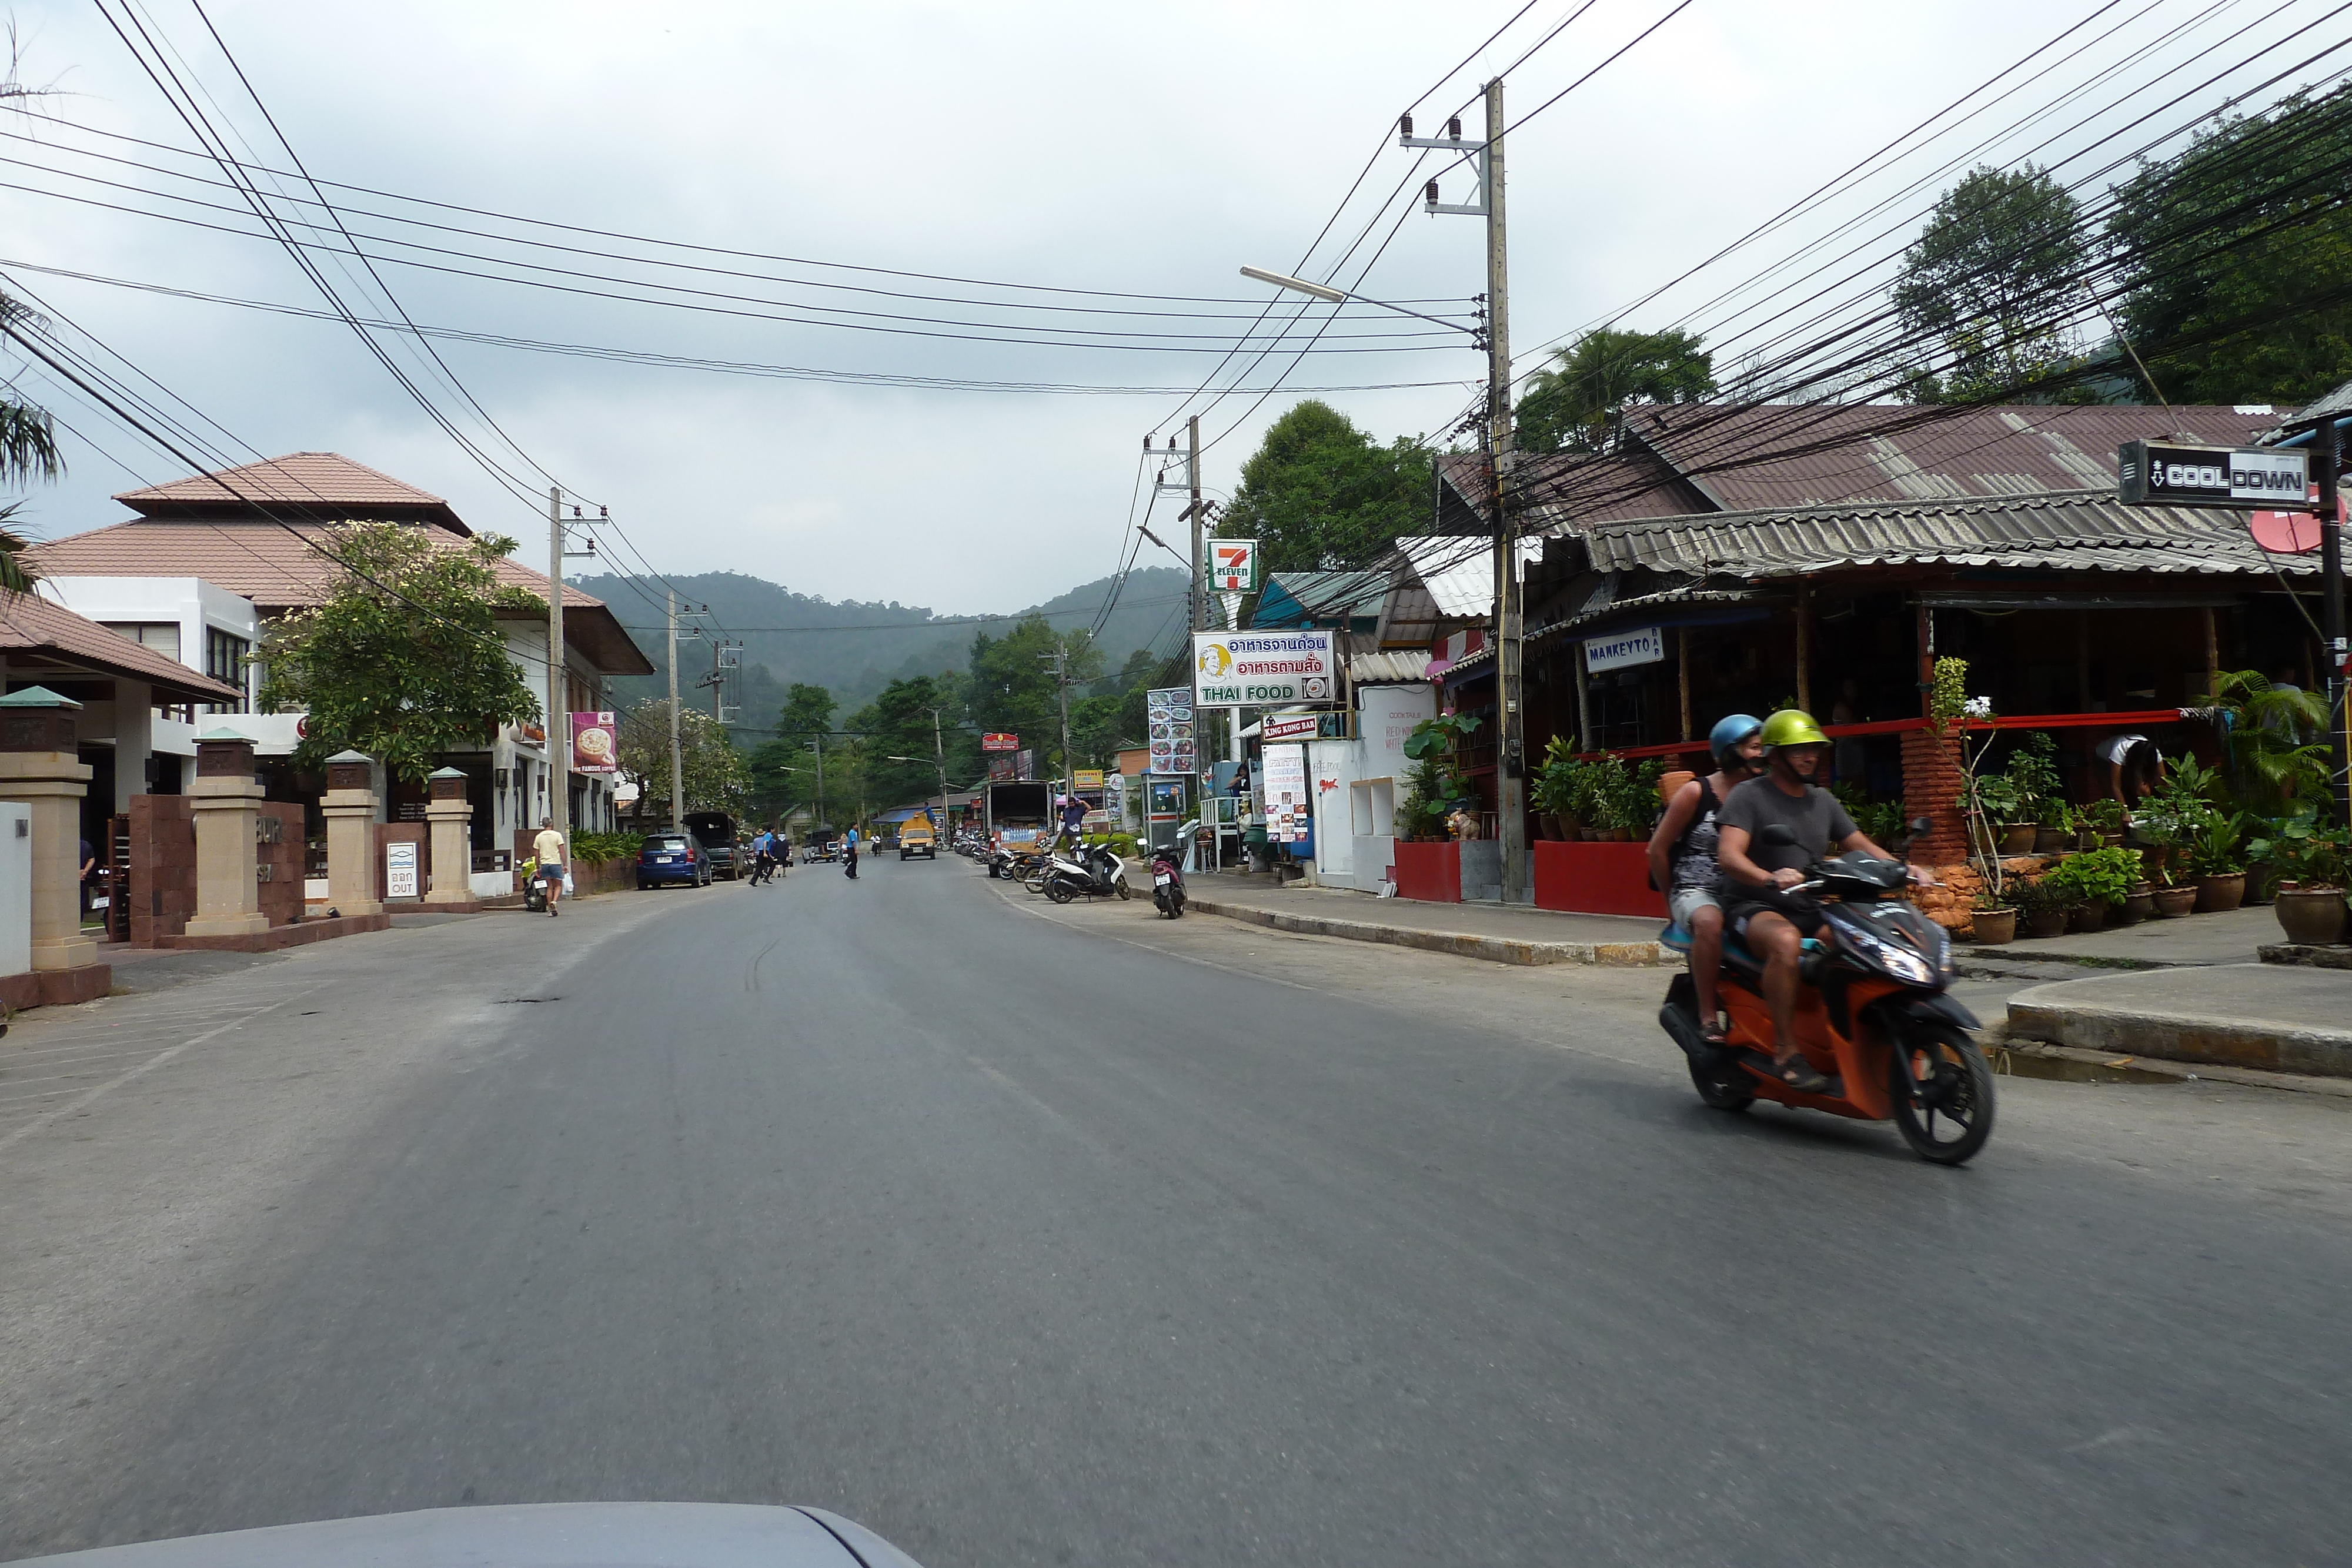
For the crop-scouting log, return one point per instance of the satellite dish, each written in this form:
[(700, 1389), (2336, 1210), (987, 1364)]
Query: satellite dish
[(2290, 533)]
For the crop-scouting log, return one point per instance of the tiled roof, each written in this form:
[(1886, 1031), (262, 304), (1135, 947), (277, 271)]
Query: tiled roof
[(325, 483), (1746, 458), (30, 624), (2079, 530), (278, 566)]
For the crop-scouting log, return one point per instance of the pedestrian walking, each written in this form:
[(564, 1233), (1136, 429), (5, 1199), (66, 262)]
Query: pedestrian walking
[(763, 857), (849, 854), (549, 847)]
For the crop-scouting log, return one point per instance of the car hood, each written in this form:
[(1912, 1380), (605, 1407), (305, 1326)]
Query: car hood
[(529, 1535)]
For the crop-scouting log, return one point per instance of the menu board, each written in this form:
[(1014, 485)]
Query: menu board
[(1285, 794), (1169, 712)]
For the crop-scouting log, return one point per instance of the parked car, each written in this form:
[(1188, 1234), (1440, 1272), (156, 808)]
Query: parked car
[(820, 849), (672, 857), (714, 831)]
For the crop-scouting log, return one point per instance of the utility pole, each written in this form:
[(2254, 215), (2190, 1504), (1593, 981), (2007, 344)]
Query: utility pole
[(676, 750), (1060, 658), (559, 709), (2327, 447), (817, 746), (1193, 472)]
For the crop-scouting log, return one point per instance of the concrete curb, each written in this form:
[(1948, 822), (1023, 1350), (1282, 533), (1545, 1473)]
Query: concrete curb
[(2127, 1031), (1461, 944), (2002, 1050)]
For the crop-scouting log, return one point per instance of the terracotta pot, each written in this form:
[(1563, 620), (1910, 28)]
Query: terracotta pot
[(2017, 838), (2049, 840), (1993, 927), (1549, 826), (2219, 894), (2045, 923), (2112, 841), (2174, 902), (1670, 782), (2137, 906), (1618, 835), (2313, 919), (2086, 918)]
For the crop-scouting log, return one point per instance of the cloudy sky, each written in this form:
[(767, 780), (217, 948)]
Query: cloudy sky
[(1079, 184)]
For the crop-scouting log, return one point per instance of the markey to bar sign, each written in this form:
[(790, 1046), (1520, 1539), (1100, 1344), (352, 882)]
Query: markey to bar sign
[(1269, 669)]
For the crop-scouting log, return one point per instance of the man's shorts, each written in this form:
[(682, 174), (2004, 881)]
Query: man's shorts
[(1800, 912), (1685, 902)]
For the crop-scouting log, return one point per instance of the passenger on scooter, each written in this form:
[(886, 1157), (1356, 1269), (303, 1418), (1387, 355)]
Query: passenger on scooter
[(1757, 876), (1682, 856)]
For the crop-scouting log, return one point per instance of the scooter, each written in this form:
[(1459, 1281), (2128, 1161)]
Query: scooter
[(534, 890), (1872, 1017), (1168, 883), (1094, 870)]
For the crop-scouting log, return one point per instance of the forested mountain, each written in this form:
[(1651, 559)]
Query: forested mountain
[(855, 648)]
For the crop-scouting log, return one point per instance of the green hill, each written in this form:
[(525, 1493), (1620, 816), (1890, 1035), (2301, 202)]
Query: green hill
[(854, 648)]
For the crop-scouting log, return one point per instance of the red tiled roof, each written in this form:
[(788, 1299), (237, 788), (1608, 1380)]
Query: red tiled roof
[(1745, 459), (32, 624), (325, 486)]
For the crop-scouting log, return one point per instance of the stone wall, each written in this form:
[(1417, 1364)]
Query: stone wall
[(161, 881), (280, 858)]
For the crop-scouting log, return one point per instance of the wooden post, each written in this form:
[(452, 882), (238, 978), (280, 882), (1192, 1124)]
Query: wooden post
[(1681, 660), (2082, 698), (1583, 703), (1804, 649), (2212, 654), (1927, 661)]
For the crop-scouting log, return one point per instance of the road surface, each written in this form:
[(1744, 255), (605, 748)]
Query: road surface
[(1034, 1236)]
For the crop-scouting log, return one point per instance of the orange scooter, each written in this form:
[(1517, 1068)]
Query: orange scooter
[(1872, 1017)]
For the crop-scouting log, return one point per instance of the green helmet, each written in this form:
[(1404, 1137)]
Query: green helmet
[(1793, 727)]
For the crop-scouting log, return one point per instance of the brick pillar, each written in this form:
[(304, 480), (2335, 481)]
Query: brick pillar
[(349, 807), (448, 812), (1931, 788), (41, 766), (226, 800)]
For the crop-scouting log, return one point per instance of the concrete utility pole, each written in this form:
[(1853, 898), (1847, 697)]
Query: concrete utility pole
[(817, 746), (559, 707), (1510, 716), (676, 750), (2327, 448), (1061, 659), (1192, 474), (939, 751)]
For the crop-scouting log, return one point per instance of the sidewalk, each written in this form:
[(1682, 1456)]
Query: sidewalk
[(1501, 933), (2272, 1018), (2230, 938)]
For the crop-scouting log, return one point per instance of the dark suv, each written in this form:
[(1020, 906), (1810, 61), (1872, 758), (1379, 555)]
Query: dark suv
[(715, 832)]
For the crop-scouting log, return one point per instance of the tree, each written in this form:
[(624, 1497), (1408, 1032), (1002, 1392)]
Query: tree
[(1993, 282), (1102, 725), (807, 713), (1575, 401), (1013, 681), (405, 661), (898, 723), (2236, 256), (1319, 494), (29, 451), (715, 775)]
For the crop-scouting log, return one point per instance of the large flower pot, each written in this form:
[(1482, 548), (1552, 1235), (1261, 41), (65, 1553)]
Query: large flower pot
[(2219, 894), (2017, 838), (1549, 826), (2313, 919), (2091, 916), (1991, 927), (2049, 840), (2174, 902), (1670, 782), (2046, 923), (2137, 906)]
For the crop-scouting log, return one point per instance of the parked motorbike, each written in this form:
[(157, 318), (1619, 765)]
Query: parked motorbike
[(1094, 870), (1872, 1017), (1168, 883), (534, 891)]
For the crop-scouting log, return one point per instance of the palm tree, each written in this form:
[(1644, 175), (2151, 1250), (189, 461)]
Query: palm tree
[(29, 451)]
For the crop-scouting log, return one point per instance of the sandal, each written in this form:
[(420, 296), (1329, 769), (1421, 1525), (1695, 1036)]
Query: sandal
[(1800, 1075), (1714, 1035)]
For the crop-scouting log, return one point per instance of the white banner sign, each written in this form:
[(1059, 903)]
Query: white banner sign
[(400, 870), (1267, 669), (1285, 794), (1647, 646)]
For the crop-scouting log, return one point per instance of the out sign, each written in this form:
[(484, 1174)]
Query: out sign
[(1233, 565)]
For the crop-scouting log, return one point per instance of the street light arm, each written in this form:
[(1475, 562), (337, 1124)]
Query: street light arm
[(1325, 292)]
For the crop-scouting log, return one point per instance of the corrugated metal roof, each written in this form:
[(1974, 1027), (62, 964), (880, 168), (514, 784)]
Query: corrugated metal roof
[(1554, 492), (1746, 459), (1396, 665), (2079, 530), (2338, 401), (1458, 571), (1665, 598)]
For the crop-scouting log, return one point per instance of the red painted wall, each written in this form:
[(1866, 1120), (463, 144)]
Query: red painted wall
[(1586, 878), (1431, 872)]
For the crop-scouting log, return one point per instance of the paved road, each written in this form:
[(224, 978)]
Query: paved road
[(1038, 1237)]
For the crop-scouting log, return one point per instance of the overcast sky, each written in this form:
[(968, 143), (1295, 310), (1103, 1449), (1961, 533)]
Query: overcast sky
[(1137, 150)]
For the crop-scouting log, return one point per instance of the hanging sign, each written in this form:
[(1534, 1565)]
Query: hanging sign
[(1626, 649), (1232, 566), (1271, 669), (1086, 781), (595, 743), (1290, 726), (1168, 714), (2154, 474), (996, 742)]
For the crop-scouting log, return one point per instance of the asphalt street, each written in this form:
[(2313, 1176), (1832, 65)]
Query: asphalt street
[(1036, 1236)]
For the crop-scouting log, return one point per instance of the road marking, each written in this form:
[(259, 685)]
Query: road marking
[(144, 1068)]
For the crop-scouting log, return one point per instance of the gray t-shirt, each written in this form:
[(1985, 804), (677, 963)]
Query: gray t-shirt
[(1815, 817)]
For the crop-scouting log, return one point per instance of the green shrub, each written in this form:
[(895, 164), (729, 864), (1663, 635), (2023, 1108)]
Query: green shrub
[(2096, 876), (598, 848)]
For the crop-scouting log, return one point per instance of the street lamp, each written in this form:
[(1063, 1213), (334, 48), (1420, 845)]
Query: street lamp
[(1323, 291)]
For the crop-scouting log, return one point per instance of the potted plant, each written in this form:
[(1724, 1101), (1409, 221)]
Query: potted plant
[(2217, 862), (1992, 922), (1999, 813), (2105, 815), (2034, 773), (2139, 904), (2312, 912), (2041, 908), (2100, 880)]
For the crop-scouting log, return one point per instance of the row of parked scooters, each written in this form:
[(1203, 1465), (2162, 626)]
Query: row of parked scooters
[(1062, 869)]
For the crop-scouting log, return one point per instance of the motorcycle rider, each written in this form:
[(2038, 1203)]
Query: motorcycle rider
[(1682, 856), (1757, 876)]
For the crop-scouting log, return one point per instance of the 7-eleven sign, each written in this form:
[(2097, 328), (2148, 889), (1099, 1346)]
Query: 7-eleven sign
[(1232, 566)]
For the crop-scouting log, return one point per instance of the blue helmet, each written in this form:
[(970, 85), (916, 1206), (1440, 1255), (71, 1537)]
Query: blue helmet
[(1730, 732)]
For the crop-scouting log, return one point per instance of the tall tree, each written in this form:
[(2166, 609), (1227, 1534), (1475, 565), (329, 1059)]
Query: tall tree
[(1321, 494), (405, 660), (1991, 291), (716, 776), (2236, 255), (898, 723), (1574, 402), (1013, 682)]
